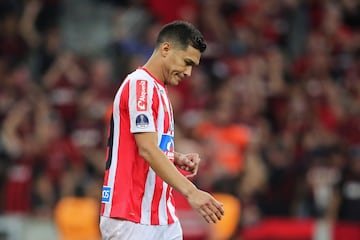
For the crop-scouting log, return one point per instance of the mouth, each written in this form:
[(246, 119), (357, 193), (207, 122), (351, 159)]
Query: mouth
[(180, 77)]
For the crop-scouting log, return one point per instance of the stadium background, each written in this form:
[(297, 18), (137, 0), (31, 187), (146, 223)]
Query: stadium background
[(274, 107)]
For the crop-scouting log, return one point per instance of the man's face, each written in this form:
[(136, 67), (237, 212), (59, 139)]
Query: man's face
[(178, 63)]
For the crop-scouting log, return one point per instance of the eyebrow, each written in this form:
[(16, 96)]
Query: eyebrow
[(189, 62)]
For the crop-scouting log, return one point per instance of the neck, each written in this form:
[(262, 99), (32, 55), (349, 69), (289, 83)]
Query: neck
[(153, 66)]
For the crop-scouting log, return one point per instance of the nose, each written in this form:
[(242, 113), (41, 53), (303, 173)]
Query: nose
[(188, 70)]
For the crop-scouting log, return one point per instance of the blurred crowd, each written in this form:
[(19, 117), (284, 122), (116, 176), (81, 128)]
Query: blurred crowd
[(273, 108)]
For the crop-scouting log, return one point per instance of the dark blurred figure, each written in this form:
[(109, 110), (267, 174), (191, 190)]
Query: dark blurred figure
[(278, 196), (349, 189), (13, 46)]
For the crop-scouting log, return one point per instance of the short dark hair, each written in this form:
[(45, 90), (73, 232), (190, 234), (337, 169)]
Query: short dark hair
[(182, 33)]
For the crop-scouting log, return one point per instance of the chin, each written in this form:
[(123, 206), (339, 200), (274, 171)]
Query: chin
[(174, 82)]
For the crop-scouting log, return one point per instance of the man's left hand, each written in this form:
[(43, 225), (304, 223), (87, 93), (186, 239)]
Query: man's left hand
[(188, 162)]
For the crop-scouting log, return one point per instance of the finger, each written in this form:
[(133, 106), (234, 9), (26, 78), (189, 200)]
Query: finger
[(209, 216), (190, 175), (194, 160), (217, 210), (204, 214), (195, 170), (216, 203), (220, 208), (197, 160), (187, 169), (189, 163), (182, 161), (219, 213), (209, 210)]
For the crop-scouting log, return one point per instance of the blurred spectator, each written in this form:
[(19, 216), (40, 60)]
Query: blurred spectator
[(177, 9), (23, 137), (225, 144), (88, 131), (351, 13), (277, 198), (63, 82), (60, 155), (135, 31), (13, 46), (77, 216), (348, 190), (321, 178)]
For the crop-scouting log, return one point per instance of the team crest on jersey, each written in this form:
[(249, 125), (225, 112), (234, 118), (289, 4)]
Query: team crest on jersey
[(167, 145), (106, 194), (141, 95), (142, 121)]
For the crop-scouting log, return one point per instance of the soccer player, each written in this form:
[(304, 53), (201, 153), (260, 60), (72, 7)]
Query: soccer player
[(141, 166)]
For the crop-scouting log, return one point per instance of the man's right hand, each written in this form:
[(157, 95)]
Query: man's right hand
[(206, 205)]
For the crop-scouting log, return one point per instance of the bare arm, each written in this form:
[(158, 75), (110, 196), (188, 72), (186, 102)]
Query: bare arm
[(201, 201)]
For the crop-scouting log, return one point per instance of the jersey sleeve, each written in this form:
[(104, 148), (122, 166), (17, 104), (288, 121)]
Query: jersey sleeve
[(141, 113)]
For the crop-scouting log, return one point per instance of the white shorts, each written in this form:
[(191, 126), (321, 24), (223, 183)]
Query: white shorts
[(116, 229)]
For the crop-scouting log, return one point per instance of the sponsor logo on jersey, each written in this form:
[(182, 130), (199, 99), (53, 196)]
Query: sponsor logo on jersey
[(167, 145), (142, 121), (141, 95), (106, 194)]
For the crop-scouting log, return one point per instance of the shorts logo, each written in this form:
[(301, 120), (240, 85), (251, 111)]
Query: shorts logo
[(106, 194), (141, 95), (142, 121)]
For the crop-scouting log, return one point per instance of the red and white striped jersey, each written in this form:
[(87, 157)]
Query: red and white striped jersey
[(131, 189)]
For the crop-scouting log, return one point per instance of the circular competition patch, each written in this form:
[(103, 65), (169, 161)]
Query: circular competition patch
[(142, 121)]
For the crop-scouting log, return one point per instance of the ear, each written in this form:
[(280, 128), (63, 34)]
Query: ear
[(165, 48)]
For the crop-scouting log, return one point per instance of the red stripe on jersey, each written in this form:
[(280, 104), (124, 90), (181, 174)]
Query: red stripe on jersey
[(155, 107), (156, 201), (166, 116)]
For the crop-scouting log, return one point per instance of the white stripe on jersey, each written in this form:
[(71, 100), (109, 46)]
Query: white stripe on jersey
[(162, 206), (171, 208), (132, 105), (147, 198)]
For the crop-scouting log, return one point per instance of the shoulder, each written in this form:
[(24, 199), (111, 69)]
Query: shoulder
[(139, 74)]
